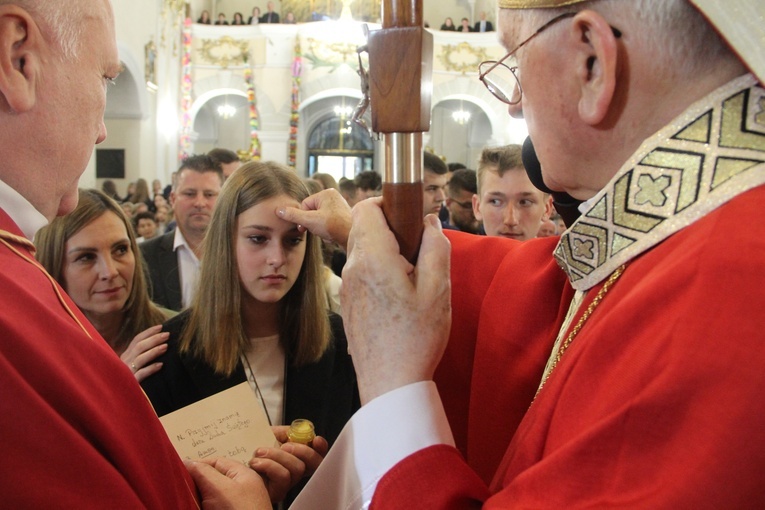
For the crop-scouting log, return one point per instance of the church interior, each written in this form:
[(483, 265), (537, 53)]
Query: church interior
[(282, 92)]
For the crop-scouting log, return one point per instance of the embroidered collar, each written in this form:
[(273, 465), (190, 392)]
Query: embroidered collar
[(708, 155)]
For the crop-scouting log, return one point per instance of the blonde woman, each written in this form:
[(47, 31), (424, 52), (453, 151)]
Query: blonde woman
[(92, 252)]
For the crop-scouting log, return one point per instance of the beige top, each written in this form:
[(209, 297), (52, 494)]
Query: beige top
[(264, 365)]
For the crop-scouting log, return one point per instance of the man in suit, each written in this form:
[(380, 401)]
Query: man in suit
[(483, 25), (270, 16), (173, 259)]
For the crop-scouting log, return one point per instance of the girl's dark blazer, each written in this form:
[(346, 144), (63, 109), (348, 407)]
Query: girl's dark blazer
[(324, 392)]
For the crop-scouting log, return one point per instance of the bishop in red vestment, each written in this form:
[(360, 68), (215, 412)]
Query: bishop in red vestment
[(625, 369)]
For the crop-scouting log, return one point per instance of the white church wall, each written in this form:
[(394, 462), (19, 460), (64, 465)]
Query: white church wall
[(152, 144)]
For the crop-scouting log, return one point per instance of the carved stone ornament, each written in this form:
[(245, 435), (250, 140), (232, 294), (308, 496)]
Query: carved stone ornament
[(225, 51), (462, 58), (333, 55)]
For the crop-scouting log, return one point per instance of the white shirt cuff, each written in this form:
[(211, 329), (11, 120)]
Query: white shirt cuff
[(381, 434)]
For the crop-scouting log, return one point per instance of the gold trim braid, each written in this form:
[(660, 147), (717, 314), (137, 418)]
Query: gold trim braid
[(4, 237), (555, 359)]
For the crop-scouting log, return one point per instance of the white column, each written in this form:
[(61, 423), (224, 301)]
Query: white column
[(274, 146)]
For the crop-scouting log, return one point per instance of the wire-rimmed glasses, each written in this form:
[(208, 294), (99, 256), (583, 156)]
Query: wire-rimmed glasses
[(503, 82)]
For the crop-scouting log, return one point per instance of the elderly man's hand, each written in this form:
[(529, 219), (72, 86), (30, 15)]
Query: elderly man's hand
[(225, 484), (325, 214), (397, 316)]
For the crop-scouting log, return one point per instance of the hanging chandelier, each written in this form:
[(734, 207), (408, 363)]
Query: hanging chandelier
[(226, 111), (461, 117), (343, 111)]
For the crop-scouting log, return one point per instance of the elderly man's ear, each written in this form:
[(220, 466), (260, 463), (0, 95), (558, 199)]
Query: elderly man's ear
[(595, 55), (20, 41)]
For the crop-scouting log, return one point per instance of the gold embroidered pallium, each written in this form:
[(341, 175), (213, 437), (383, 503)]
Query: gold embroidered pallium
[(760, 117), (713, 152)]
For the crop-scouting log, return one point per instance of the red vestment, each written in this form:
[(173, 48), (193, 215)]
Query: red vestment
[(656, 402), (77, 430), (496, 318)]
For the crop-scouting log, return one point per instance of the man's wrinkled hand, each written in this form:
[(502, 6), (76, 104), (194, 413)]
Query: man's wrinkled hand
[(225, 484), (284, 466), (397, 316), (325, 214)]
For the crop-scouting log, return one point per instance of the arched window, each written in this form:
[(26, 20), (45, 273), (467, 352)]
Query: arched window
[(339, 147)]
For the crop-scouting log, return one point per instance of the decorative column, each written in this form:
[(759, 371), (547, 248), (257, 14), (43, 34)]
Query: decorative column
[(168, 67), (254, 121), (297, 70), (346, 14), (184, 141)]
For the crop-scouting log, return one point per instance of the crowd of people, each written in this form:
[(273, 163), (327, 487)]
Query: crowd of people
[(149, 212), (166, 227), (482, 25), (255, 17), (616, 363)]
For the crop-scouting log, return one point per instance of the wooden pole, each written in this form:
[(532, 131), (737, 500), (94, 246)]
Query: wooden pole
[(400, 89)]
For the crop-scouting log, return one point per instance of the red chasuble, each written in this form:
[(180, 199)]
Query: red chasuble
[(500, 327), (77, 430), (657, 401)]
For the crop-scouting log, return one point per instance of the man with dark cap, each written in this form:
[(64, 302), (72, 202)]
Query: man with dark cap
[(650, 311)]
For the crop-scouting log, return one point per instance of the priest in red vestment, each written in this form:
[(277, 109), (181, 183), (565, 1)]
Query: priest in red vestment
[(77, 430)]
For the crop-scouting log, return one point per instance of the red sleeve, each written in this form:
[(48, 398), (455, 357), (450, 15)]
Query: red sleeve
[(419, 480), (656, 403), (474, 265), (508, 300)]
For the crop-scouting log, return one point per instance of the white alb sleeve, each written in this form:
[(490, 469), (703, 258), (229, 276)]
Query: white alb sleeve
[(381, 434)]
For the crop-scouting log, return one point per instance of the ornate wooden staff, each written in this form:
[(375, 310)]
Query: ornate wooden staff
[(399, 89)]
